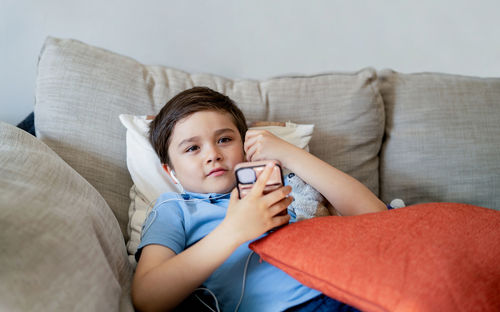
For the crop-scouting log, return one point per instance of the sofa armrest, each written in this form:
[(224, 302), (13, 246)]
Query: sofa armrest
[(61, 245)]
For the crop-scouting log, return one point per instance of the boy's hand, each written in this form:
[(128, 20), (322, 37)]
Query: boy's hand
[(262, 144), (257, 213)]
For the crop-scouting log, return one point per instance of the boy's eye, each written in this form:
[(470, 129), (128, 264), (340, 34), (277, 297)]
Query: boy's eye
[(224, 140), (192, 148)]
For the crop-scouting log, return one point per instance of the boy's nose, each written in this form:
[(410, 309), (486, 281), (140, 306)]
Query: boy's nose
[(213, 154)]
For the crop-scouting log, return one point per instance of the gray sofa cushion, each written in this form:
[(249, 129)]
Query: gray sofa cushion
[(61, 246), (81, 90), (442, 139)]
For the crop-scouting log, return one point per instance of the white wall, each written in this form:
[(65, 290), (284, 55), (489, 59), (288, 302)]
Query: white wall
[(253, 39)]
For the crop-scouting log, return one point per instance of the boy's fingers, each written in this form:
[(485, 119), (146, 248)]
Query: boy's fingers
[(249, 153), (250, 133), (277, 195), (234, 196), (281, 220), (260, 184), (281, 205), (249, 148)]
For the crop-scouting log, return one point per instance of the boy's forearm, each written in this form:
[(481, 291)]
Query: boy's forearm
[(345, 193), (167, 285)]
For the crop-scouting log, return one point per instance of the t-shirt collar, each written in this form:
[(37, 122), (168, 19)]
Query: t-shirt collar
[(211, 196)]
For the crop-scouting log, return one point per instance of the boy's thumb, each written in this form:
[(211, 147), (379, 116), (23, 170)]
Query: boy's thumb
[(234, 196)]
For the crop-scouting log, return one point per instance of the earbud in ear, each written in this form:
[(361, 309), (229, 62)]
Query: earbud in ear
[(172, 174)]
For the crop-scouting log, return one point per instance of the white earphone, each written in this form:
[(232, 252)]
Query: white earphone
[(172, 174)]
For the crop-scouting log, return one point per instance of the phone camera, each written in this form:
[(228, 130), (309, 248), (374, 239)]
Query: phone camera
[(246, 176)]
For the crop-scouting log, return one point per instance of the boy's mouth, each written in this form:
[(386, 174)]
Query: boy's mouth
[(217, 172)]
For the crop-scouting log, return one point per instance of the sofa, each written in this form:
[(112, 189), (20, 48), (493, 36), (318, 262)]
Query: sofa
[(67, 195)]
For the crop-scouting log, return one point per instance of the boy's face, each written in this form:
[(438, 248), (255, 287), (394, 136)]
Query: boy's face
[(204, 149)]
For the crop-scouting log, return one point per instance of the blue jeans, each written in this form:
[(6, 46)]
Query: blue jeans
[(322, 303)]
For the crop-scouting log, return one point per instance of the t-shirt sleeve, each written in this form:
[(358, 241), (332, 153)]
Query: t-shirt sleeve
[(164, 226)]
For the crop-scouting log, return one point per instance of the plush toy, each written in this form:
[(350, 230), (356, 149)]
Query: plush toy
[(308, 202)]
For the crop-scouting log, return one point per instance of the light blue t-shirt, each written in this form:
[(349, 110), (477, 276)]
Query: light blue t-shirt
[(180, 220)]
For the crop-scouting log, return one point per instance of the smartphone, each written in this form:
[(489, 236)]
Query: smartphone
[(248, 172)]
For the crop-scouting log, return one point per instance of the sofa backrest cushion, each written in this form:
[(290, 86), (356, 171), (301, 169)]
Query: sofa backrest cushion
[(82, 89), (442, 139), (61, 246)]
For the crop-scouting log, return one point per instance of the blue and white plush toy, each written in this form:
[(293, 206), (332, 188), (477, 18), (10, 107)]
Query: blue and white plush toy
[(308, 202)]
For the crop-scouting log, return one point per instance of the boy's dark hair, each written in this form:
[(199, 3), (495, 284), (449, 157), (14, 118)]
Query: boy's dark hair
[(184, 104)]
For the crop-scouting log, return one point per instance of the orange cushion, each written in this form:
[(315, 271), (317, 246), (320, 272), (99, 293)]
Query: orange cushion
[(427, 257)]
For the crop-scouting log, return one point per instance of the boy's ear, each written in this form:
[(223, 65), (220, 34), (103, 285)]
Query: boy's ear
[(166, 168), (170, 173)]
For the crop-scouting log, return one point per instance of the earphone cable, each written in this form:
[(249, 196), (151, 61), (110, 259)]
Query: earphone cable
[(244, 280)]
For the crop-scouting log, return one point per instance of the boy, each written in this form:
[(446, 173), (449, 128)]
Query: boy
[(201, 236)]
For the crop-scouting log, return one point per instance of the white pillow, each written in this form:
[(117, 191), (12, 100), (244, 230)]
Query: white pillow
[(150, 180)]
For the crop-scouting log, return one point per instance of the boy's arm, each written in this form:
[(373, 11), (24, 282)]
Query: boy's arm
[(163, 279), (345, 193)]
